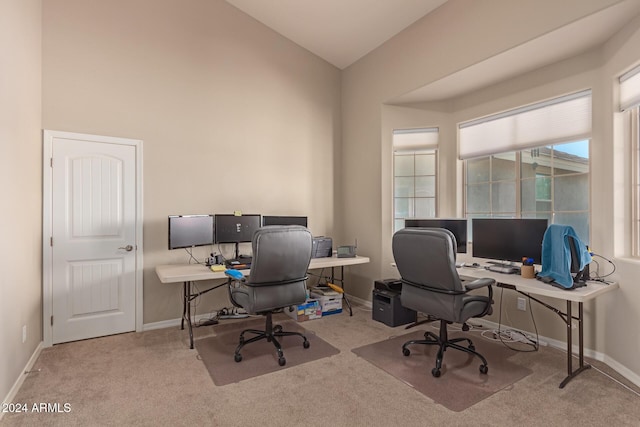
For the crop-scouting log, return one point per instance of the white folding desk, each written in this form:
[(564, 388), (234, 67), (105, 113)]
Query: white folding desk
[(529, 287), (189, 273)]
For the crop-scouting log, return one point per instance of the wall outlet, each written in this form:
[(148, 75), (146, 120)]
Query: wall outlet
[(24, 334), (522, 304)]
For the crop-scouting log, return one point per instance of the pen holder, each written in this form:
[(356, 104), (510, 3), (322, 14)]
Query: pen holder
[(527, 271)]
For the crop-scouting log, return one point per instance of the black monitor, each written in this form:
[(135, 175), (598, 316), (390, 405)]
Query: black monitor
[(186, 231), (232, 228), (284, 220), (508, 239), (458, 226)]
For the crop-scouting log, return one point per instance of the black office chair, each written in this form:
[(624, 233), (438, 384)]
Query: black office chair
[(426, 261), (277, 280)]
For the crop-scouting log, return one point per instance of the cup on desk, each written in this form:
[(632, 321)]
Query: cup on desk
[(527, 271)]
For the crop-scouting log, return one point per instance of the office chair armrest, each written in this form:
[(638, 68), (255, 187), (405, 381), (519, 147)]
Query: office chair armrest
[(485, 282), (235, 279), (479, 283)]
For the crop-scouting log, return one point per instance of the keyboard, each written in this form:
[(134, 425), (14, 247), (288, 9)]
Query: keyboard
[(504, 269), (241, 263)]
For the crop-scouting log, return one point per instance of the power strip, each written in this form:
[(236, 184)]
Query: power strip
[(233, 316)]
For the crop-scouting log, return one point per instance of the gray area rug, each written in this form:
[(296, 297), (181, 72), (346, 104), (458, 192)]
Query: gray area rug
[(461, 384), (260, 357)]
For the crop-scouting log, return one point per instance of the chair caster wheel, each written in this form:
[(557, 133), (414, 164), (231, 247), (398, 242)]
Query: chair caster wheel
[(237, 357), (406, 351), (484, 369), (306, 344), (435, 372), (277, 329), (282, 361)]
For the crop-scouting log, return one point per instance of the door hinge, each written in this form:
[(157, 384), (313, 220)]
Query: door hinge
[(51, 320), (51, 162), (51, 241)]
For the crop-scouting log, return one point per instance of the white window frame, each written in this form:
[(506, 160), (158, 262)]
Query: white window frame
[(634, 115), (414, 142)]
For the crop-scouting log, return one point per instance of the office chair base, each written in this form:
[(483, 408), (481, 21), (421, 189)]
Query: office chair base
[(443, 342), (270, 333)]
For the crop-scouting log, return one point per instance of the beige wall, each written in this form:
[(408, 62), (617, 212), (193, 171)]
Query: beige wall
[(21, 178), (434, 47), (233, 116)]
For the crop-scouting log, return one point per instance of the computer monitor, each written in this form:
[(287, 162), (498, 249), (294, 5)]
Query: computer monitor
[(186, 231), (458, 226), (230, 228), (284, 220), (508, 239)]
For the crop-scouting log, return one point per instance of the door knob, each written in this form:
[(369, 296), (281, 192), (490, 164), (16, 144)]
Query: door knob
[(127, 248)]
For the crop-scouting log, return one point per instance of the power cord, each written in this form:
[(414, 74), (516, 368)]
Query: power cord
[(597, 276), (191, 257), (535, 344)]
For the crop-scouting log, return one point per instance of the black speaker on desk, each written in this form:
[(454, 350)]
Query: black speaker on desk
[(386, 304)]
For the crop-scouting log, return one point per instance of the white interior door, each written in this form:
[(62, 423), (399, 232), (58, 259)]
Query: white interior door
[(94, 236)]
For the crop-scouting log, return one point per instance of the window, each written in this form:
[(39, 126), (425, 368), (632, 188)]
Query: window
[(414, 174), (635, 143), (531, 162), (629, 101), (547, 182)]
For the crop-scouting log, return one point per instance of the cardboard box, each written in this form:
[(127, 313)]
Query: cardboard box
[(307, 311), (330, 301)]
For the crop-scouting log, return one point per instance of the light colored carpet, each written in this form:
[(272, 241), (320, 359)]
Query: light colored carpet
[(258, 358), (154, 379), (461, 384)]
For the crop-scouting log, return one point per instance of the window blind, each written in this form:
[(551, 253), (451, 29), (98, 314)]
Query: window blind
[(415, 139), (563, 119), (630, 89)]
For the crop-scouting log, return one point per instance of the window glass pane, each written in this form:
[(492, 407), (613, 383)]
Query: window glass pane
[(546, 216), (503, 167), (571, 158), (536, 161), (579, 221), (478, 170), (414, 185), (528, 195), (425, 207), (425, 186), (404, 187), (425, 164), (571, 193), (503, 197), (543, 188), (478, 200), (403, 165), (403, 207)]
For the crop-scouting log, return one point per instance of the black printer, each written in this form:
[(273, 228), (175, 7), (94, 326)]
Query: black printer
[(386, 304)]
